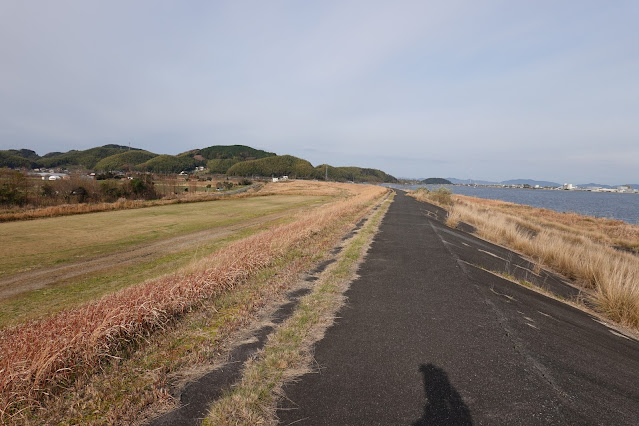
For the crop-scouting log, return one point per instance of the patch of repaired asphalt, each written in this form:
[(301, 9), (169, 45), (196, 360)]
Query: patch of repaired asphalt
[(336, 250), (197, 396), (357, 227), (322, 266)]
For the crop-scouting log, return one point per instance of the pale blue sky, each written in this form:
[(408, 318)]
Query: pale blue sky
[(488, 90)]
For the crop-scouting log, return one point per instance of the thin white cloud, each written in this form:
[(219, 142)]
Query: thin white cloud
[(481, 90)]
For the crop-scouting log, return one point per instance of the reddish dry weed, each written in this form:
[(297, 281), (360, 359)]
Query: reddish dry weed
[(46, 355)]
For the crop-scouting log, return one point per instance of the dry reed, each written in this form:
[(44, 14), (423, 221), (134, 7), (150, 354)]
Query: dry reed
[(44, 356), (576, 246), (607, 231)]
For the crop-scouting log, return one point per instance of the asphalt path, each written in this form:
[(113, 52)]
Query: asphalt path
[(430, 337)]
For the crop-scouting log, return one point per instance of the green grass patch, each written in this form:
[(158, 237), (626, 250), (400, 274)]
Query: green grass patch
[(64, 295), (44, 242)]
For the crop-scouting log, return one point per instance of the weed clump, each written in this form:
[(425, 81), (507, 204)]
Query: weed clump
[(441, 196)]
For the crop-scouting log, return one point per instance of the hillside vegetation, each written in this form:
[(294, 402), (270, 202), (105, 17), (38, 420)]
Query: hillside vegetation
[(353, 174), (124, 160), (238, 152), (16, 159), (277, 166), (436, 181), (233, 160), (87, 158), (288, 165), (221, 165), (167, 164)]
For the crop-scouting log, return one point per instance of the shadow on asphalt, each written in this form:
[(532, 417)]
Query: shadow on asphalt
[(444, 405)]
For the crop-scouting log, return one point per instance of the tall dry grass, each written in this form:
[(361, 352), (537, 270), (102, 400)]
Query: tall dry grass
[(44, 356), (579, 252), (607, 231), (441, 196)]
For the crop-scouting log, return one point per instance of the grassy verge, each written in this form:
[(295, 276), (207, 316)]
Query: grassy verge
[(49, 362), (582, 252), (288, 351)]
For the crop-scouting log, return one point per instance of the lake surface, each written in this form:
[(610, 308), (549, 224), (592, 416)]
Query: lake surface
[(599, 204)]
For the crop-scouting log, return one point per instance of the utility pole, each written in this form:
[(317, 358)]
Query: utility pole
[(326, 178)]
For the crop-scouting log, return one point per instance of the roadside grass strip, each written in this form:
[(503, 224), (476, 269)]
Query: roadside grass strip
[(288, 352), (42, 358)]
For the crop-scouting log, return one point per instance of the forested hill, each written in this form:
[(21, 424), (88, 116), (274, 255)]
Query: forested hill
[(287, 165), (234, 160)]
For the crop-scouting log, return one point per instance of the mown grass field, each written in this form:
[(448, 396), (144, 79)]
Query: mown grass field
[(44, 242), (71, 292)]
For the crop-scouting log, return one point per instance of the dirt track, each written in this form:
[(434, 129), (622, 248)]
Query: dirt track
[(40, 278)]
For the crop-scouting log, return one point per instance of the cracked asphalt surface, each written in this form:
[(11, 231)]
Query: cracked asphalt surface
[(428, 336)]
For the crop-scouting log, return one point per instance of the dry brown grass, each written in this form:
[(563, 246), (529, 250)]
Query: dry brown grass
[(607, 231), (47, 355), (576, 246), (302, 187)]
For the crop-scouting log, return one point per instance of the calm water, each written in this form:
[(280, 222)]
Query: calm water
[(599, 204)]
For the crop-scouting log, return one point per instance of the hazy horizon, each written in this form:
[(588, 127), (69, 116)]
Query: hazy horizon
[(490, 91)]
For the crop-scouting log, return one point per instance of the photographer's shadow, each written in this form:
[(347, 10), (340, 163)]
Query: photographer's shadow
[(444, 405)]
